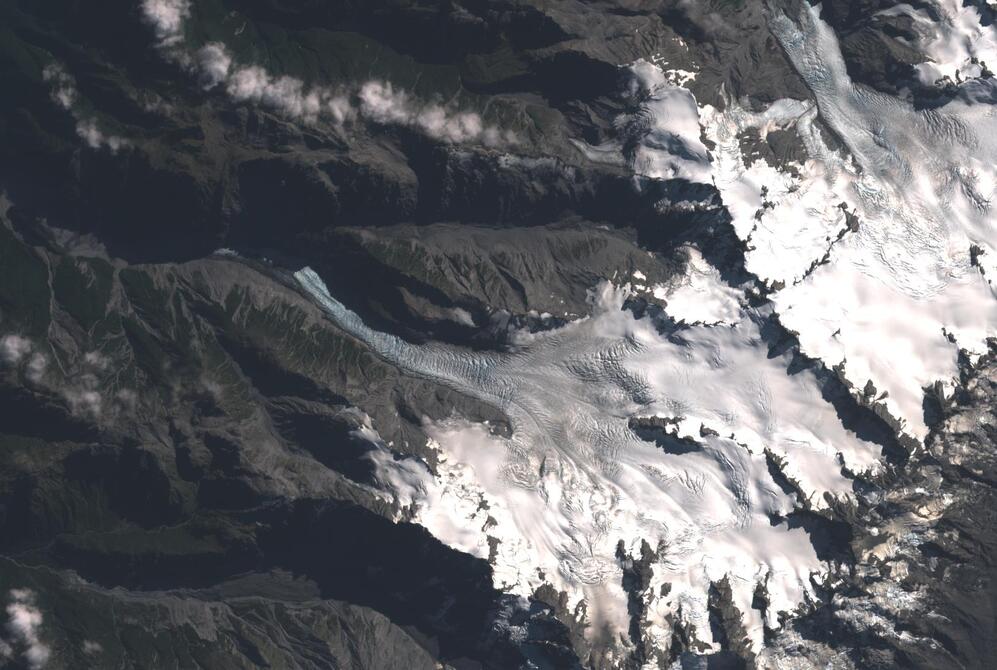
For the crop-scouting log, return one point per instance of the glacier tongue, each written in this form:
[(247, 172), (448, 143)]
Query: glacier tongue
[(574, 481)]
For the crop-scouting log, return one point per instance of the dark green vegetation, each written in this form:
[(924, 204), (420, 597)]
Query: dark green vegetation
[(181, 484), (215, 456)]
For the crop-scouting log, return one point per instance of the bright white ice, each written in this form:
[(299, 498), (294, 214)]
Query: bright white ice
[(890, 302), (957, 45), (573, 480), (896, 299), (700, 295), (897, 290)]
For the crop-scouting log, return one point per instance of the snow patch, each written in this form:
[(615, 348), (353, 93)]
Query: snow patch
[(665, 126)]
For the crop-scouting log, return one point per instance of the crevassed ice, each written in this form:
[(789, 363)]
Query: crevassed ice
[(573, 481)]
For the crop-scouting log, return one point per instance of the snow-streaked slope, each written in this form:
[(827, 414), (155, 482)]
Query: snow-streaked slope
[(671, 146), (665, 125), (573, 480), (788, 215)]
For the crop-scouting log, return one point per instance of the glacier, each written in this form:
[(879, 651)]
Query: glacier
[(574, 484), (877, 256)]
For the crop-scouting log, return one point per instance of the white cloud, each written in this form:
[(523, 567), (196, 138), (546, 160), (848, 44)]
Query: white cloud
[(24, 624), (95, 139), (83, 401), (379, 101), (214, 63), (13, 348), (96, 360), (286, 95), (91, 648), (36, 367), (127, 398), (461, 127), (63, 86), (341, 109), (166, 18), (87, 130)]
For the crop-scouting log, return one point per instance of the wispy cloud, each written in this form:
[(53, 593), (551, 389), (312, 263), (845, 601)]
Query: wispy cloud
[(36, 368), (82, 386), (65, 94), (15, 349), (83, 401), (94, 138), (375, 101)]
